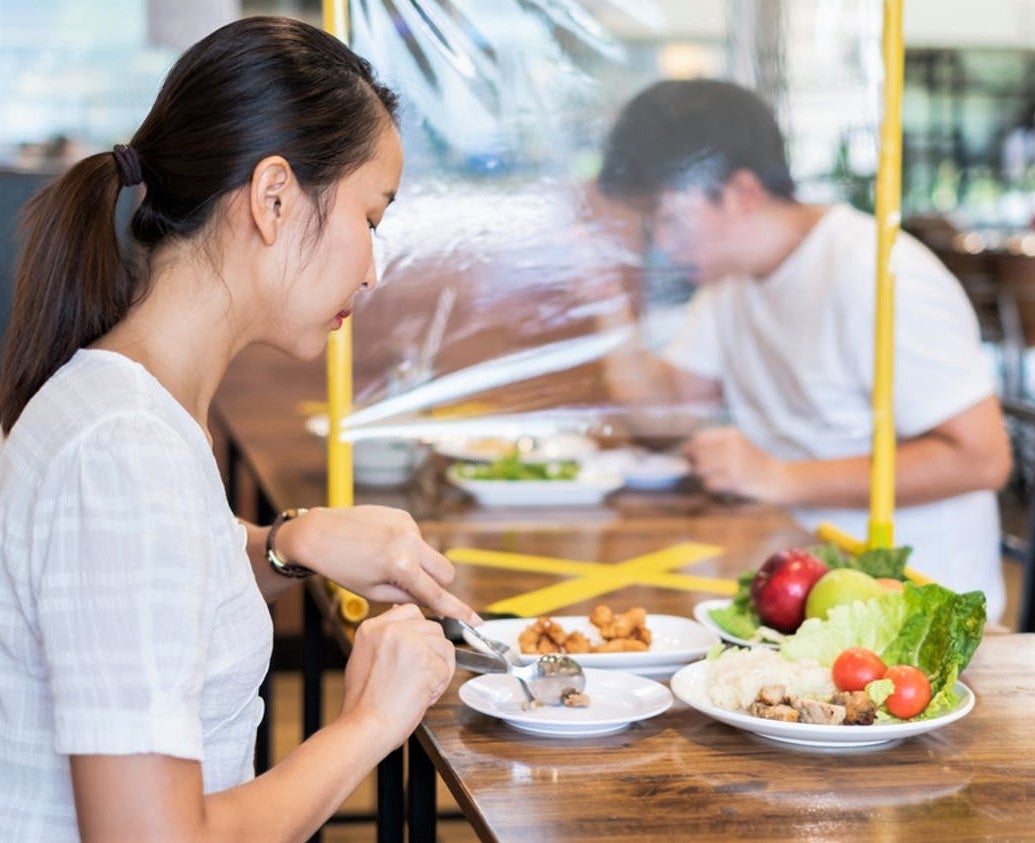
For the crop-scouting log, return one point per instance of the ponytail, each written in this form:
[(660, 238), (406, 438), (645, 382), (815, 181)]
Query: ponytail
[(71, 284)]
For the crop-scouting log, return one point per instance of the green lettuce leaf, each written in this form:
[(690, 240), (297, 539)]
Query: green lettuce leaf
[(870, 623)]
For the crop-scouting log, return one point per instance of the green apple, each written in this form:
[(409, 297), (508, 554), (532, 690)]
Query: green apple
[(842, 585)]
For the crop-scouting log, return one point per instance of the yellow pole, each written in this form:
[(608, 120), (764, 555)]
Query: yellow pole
[(339, 381), (888, 213)]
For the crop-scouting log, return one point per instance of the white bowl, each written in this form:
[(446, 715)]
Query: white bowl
[(386, 462)]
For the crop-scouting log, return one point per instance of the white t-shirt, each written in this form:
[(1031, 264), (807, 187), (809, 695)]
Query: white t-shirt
[(794, 355), (130, 619)]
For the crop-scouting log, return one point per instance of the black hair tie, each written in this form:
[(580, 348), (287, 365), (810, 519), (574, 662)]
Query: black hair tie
[(127, 162)]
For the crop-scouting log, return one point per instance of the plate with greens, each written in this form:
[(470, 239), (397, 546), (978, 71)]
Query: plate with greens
[(512, 481), (928, 627), (690, 686)]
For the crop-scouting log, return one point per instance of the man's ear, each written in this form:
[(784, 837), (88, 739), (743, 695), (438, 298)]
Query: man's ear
[(743, 191), (269, 196)]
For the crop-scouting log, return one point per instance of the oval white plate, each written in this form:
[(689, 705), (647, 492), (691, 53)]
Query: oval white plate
[(587, 490), (674, 641), (689, 684), (702, 613), (616, 700)]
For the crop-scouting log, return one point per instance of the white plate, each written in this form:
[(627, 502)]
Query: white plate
[(690, 686), (642, 469), (674, 641), (701, 612), (561, 446), (587, 490), (616, 700)]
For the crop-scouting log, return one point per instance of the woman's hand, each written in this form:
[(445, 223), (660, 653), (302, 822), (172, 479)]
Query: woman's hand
[(376, 551), (399, 665)]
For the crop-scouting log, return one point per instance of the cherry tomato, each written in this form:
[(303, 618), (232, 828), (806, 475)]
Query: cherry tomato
[(912, 691), (856, 668)]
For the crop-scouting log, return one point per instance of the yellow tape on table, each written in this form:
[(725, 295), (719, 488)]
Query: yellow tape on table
[(592, 579)]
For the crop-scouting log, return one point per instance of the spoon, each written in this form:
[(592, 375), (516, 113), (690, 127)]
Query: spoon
[(542, 680), (545, 681)]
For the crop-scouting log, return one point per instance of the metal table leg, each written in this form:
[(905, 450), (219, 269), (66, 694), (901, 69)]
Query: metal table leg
[(420, 788), (390, 798)]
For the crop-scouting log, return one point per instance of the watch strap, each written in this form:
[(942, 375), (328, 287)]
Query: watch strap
[(277, 562)]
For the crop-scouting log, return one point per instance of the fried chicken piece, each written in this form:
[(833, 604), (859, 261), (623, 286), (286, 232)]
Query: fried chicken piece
[(553, 630), (860, 710), (601, 616), (528, 639), (818, 712), (780, 712), (624, 625), (576, 642)]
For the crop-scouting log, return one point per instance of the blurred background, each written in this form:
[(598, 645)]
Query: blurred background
[(499, 243)]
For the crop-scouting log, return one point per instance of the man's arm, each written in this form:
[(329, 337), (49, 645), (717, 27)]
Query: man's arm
[(966, 453)]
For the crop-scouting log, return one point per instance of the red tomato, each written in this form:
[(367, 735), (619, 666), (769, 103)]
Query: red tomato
[(912, 691), (856, 668)]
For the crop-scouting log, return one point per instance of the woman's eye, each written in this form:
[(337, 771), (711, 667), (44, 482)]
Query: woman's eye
[(372, 227)]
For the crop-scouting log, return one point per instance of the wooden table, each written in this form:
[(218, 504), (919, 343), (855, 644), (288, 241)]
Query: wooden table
[(679, 775), (683, 776)]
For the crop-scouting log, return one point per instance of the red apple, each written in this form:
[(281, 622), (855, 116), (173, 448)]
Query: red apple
[(782, 584)]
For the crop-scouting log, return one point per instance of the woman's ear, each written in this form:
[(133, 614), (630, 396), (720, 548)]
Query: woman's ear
[(270, 195)]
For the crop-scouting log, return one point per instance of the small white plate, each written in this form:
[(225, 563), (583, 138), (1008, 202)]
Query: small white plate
[(588, 490), (616, 701), (689, 684), (674, 641), (642, 469), (702, 611)]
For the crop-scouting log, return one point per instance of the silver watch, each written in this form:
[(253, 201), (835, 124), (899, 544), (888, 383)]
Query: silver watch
[(277, 563)]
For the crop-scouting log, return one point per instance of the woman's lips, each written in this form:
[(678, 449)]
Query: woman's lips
[(341, 316)]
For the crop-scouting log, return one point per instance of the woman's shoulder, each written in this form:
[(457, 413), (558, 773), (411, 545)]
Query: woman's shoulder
[(95, 396)]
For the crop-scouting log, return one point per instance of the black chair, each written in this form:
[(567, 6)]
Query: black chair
[(16, 186), (1019, 542)]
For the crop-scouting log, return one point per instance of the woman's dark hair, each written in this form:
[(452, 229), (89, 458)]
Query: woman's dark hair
[(257, 87), (693, 133)]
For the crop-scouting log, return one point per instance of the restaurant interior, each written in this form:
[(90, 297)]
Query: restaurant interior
[(499, 265)]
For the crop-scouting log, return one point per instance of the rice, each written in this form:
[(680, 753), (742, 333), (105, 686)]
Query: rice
[(736, 676)]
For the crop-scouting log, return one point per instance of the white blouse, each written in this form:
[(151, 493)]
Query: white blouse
[(130, 619)]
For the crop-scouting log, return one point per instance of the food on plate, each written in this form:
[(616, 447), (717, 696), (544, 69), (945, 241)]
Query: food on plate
[(742, 618), (512, 467), (781, 586), (912, 691), (624, 632), (842, 585), (856, 668), (573, 698), (903, 650)]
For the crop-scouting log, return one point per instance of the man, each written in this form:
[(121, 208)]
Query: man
[(781, 331)]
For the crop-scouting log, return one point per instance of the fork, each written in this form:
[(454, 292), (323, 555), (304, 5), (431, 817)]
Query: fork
[(498, 648)]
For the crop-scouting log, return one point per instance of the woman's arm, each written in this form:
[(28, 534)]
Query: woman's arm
[(400, 664), (376, 551)]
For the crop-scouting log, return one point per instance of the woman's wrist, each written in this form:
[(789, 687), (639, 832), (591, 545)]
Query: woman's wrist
[(282, 545)]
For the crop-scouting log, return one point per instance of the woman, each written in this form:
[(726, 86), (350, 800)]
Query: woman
[(134, 631)]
